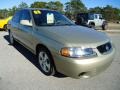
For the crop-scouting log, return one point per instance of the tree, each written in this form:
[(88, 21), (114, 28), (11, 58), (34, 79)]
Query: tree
[(95, 10), (57, 5), (51, 5), (110, 13), (68, 7), (119, 14), (78, 6), (74, 7), (22, 5), (38, 5), (3, 13), (68, 10), (13, 10)]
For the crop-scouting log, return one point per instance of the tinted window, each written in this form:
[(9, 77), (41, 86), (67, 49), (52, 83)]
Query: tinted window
[(46, 17), (16, 17), (96, 16), (100, 16), (91, 16)]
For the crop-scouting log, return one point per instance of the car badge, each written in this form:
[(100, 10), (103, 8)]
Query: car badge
[(107, 48)]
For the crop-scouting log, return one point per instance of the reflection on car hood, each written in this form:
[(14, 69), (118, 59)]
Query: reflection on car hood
[(74, 35)]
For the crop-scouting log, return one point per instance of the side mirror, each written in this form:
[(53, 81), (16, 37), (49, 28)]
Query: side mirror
[(26, 22)]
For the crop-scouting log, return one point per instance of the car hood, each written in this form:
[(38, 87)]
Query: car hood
[(75, 35)]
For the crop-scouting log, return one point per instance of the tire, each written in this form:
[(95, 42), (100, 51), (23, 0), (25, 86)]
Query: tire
[(45, 61), (104, 27), (5, 27), (12, 41), (92, 25)]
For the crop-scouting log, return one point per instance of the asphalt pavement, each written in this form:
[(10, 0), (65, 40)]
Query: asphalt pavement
[(19, 71)]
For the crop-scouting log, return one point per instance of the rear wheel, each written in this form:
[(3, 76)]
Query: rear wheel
[(46, 62), (104, 27)]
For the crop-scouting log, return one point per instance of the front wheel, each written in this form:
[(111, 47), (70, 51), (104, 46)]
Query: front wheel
[(5, 27), (12, 41), (92, 25), (46, 62)]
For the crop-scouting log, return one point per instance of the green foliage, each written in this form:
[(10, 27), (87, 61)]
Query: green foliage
[(38, 5), (74, 7), (22, 5), (57, 5), (78, 6), (11, 11), (71, 9), (109, 13), (95, 10), (3, 13)]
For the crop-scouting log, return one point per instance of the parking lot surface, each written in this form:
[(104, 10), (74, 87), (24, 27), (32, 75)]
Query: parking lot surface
[(19, 71)]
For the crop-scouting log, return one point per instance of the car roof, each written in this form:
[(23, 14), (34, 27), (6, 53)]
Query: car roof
[(37, 9)]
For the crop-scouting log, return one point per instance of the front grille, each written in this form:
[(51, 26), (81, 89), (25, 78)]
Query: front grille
[(104, 48)]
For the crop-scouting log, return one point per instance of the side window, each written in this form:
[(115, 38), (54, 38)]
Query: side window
[(25, 15), (100, 16), (91, 16), (16, 17), (96, 17)]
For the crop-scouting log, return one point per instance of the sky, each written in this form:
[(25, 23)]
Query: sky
[(88, 3)]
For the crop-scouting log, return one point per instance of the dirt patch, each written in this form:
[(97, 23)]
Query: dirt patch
[(113, 26)]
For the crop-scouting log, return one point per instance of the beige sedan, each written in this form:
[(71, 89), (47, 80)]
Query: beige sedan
[(59, 44)]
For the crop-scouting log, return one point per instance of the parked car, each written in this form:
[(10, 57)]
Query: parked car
[(91, 20), (3, 22), (59, 44)]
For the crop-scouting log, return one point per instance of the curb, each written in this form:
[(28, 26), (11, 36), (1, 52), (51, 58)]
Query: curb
[(110, 31)]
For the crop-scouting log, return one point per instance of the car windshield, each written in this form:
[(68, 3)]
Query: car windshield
[(50, 18)]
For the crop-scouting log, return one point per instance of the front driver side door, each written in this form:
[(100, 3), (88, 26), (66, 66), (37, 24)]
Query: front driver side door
[(26, 31)]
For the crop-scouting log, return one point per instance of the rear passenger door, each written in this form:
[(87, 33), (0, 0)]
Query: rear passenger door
[(96, 20)]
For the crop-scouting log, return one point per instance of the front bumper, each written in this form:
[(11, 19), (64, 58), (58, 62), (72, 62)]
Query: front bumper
[(85, 68)]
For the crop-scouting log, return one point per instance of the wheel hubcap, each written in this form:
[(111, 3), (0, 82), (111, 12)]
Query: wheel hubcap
[(44, 61)]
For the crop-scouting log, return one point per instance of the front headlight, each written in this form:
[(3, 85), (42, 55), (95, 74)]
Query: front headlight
[(77, 52)]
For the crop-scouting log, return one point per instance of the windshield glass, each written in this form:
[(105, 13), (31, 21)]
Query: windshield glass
[(50, 18)]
